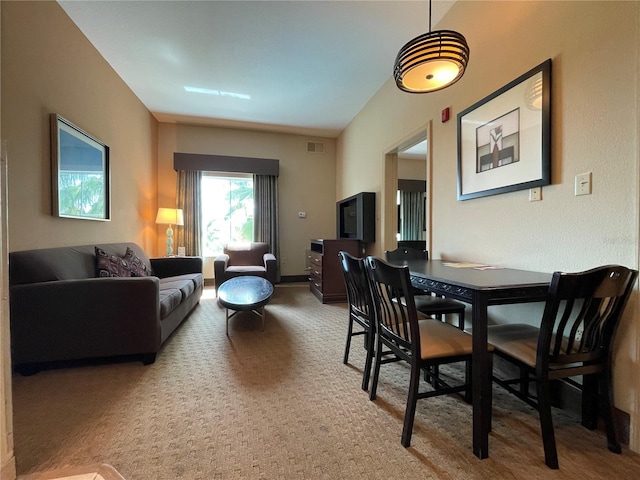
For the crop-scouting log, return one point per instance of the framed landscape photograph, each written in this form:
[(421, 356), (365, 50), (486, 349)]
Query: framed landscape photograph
[(504, 140), (80, 172)]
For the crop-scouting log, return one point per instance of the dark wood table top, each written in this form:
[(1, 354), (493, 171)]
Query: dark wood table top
[(479, 278)]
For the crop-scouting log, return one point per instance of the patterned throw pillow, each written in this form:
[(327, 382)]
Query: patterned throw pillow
[(138, 267), (111, 265)]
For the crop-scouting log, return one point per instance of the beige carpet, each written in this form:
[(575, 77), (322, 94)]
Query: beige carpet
[(277, 404)]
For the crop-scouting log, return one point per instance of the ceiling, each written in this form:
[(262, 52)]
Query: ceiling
[(303, 67)]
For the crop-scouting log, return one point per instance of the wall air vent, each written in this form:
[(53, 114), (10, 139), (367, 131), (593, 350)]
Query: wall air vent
[(315, 147)]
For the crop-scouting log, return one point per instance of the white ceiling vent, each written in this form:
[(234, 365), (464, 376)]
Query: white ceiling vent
[(315, 147)]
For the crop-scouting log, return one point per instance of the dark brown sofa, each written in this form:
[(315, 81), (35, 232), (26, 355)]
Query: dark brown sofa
[(61, 309)]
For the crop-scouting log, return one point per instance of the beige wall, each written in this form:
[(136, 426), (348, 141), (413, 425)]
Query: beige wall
[(412, 168), (594, 48), (306, 182), (48, 66)]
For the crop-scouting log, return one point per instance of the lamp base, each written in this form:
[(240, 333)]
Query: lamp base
[(169, 241)]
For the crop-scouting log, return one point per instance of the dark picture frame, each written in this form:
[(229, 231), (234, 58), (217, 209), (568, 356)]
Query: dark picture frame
[(79, 172), (504, 140)]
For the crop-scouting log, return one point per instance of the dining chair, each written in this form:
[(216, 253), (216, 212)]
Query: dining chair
[(424, 343), (574, 338), (426, 302), (360, 309)]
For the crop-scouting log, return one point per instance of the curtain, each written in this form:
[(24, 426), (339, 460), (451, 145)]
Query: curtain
[(188, 199), (412, 215), (265, 219)]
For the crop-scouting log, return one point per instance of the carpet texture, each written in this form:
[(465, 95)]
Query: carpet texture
[(278, 404)]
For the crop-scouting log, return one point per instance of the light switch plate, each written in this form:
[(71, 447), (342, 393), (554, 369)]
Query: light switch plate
[(583, 184)]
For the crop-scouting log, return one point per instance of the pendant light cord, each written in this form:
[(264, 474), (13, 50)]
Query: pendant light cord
[(429, 16)]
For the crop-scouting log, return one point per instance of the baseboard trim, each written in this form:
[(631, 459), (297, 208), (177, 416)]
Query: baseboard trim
[(294, 278)]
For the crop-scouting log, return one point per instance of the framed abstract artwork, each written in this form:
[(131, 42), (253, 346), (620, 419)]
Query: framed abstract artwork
[(80, 172), (504, 140)]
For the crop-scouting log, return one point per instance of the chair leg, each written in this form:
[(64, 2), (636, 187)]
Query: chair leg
[(376, 370), (410, 411), (431, 374), (468, 397), (546, 423), (369, 339), (590, 402), (347, 347), (461, 320), (490, 416), (606, 402), (524, 381)]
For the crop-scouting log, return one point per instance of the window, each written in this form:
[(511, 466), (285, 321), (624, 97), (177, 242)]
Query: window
[(227, 211)]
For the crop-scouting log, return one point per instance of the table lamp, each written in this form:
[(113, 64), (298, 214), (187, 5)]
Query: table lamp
[(169, 216)]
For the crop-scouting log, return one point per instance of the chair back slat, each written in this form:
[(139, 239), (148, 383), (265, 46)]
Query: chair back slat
[(394, 310), (582, 313)]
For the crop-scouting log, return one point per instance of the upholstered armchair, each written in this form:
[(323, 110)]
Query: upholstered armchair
[(245, 259)]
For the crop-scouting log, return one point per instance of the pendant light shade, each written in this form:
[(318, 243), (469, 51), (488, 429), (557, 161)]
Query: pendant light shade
[(432, 61)]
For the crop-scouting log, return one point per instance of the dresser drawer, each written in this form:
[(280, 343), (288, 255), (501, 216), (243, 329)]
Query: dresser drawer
[(316, 271), (316, 280), (316, 258)]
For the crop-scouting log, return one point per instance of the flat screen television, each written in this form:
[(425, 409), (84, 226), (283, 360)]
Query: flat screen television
[(356, 217)]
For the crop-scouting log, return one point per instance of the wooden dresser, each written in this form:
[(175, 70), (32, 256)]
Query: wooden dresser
[(325, 273)]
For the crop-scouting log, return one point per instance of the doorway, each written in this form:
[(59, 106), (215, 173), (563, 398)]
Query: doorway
[(408, 180)]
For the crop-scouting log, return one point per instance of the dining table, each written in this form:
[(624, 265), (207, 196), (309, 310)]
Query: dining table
[(481, 286)]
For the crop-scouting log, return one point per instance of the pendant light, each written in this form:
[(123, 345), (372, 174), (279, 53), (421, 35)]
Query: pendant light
[(432, 61)]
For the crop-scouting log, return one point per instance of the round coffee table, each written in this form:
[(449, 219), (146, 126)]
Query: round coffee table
[(245, 293)]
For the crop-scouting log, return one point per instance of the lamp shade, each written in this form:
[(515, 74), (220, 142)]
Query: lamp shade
[(170, 216), (431, 62)]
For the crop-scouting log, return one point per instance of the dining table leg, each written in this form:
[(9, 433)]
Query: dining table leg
[(481, 377)]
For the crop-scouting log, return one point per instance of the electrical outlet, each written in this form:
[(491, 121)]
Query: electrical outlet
[(535, 194)]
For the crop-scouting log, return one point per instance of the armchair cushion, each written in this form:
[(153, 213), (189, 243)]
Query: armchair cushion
[(246, 253)]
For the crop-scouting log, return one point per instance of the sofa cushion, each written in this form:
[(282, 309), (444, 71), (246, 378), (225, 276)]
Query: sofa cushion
[(138, 267), (109, 265), (196, 278), (185, 286), (170, 298)]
